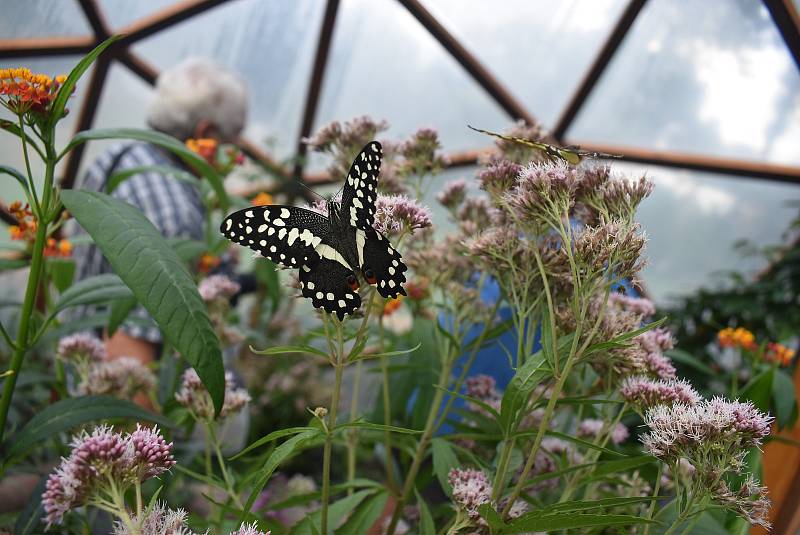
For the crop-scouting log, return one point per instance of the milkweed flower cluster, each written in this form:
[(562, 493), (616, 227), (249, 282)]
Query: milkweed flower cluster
[(194, 396), (22, 90), (779, 354), (102, 465), (738, 337)]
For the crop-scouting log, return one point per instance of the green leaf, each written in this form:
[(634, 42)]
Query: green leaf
[(12, 263), (69, 413), (387, 353), (280, 350), (365, 516), (275, 435), (280, 454), (19, 177), (13, 128), (93, 290), (482, 404), (120, 308), (759, 389), (684, 357), (519, 389), (29, 519), (492, 517), (426, 525), (533, 522), (336, 512), (62, 272), (121, 176), (162, 140), (783, 397), (161, 283), (65, 91), (444, 460), (377, 427), (187, 249)]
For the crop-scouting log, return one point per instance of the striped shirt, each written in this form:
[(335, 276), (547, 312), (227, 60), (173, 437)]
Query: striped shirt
[(173, 206)]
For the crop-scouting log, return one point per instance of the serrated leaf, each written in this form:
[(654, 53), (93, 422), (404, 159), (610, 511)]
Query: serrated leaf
[(141, 257), (69, 413)]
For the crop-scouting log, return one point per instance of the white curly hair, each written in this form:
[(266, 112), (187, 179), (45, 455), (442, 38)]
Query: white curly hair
[(194, 90)]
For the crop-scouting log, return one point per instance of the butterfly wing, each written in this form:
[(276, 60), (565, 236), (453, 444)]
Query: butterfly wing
[(377, 257), (324, 281), (361, 187), (287, 235), (568, 155)]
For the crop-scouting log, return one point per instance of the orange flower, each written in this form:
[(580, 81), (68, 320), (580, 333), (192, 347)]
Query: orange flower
[(417, 289), (58, 248), (65, 248), (392, 305), (205, 147), (739, 337), (25, 229), (208, 262), (779, 353), (21, 90), (262, 199)]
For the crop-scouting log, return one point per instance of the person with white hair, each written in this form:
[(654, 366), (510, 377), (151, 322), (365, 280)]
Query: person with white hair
[(196, 99)]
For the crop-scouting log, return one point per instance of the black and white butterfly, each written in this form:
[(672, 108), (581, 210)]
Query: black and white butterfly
[(330, 252)]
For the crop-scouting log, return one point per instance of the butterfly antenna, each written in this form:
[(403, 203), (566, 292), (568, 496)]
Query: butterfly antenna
[(311, 190)]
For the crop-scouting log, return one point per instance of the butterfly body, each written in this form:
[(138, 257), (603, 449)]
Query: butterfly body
[(331, 251)]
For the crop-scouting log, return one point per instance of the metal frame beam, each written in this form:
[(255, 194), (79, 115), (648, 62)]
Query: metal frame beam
[(314, 90), (786, 18)]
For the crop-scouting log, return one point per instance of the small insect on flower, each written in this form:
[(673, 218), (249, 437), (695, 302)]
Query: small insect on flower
[(332, 250)]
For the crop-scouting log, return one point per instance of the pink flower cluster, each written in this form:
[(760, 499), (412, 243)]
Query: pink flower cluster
[(395, 213), (100, 457), (636, 305), (681, 430), (471, 489), (216, 287), (121, 377), (81, 346), (644, 393), (194, 396)]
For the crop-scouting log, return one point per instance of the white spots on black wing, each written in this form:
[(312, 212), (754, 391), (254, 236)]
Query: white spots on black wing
[(330, 296), (271, 231), (310, 284), (320, 295), (293, 235), (248, 213), (281, 233), (279, 222), (262, 228), (248, 230), (228, 224), (342, 304), (273, 249), (263, 243), (391, 270), (357, 203), (285, 213)]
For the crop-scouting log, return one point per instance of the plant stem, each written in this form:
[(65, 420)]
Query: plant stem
[(502, 468), (424, 441), (326, 455), (656, 488), (221, 460), (31, 290), (352, 434)]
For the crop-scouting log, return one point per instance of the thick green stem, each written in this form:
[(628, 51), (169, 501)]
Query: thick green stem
[(221, 460), (37, 264), (326, 455)]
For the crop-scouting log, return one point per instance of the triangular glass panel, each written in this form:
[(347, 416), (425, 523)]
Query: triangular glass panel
[(539, 52), (270, 43), (694, 77), (120, 13), (693, 221), (383, 63), (41, 18)]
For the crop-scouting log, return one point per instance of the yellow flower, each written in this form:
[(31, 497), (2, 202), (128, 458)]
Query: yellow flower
[(262, 199), (739, 337), (21, 90)]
